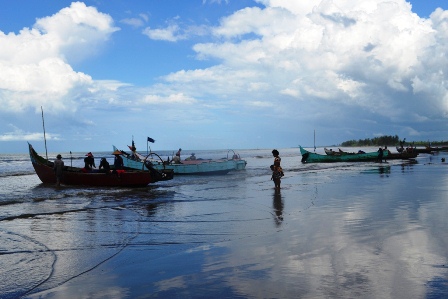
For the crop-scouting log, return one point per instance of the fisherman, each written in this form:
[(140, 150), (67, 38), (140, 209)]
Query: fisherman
[(104, 166), (380, 155), (118, 160), (89, 162), (58, 169), (176, 158)]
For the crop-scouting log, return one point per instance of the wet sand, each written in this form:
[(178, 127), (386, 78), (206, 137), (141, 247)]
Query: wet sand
[(370, 231), (354, 230)]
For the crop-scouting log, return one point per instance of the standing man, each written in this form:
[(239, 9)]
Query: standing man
[(380, 155), (58, 169)]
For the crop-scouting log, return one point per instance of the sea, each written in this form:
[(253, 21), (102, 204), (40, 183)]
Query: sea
[(334, 230)]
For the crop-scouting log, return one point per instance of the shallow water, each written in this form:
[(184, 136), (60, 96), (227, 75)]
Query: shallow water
[(340, 230)]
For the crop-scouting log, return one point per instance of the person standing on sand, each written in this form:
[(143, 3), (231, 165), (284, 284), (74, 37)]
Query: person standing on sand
[(58, 169), (277, 171)]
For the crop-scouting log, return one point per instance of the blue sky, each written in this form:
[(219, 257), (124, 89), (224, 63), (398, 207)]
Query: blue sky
[(216, 74)]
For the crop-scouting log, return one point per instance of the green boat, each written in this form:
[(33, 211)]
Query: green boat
[(309, 157)]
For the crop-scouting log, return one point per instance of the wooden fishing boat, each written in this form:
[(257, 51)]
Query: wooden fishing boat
[(75, 175), (425, 150), (437, 149), (309, 157), (418, 150), (403, 155), (199, 166), (396, 156)]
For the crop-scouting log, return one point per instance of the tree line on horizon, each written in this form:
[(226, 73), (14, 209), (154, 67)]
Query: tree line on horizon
[(389, 140)]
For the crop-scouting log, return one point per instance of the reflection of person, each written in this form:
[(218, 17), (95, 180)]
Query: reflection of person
[(118, 160), (104, 165), (89, 162), (58, 169), (278, 207), (277, 171)]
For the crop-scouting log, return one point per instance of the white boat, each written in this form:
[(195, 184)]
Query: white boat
[(199, 166)]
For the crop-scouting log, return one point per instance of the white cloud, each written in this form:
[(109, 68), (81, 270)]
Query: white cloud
[(134, 22), (338, 51), (178, 99), (34, 64), (318, 62), (170, 33), (19, 135)]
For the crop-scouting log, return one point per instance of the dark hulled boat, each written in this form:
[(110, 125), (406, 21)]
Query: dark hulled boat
[(75, 175)]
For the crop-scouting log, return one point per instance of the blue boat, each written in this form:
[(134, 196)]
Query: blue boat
[(199, 166)]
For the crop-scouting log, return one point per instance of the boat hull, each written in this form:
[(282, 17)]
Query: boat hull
[(309, 157), (75, 175), (437, 149), (403, 156), (203, 167)]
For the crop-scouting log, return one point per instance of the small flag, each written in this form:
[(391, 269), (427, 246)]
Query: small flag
[(151, 140)]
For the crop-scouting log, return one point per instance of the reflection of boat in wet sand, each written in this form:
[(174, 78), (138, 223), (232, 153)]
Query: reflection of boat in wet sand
[(309, 157), (75, 175), (198, 166)]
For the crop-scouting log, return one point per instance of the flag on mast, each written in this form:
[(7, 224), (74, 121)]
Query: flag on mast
[(151, 140)]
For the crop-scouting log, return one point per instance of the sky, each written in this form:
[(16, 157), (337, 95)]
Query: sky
[(220, 74)]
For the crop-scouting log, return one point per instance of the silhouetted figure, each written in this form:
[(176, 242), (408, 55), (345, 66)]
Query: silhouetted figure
[(58, 169), (277, 171)]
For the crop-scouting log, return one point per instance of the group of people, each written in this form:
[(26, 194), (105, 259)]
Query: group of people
[(381, 152), (89, 165), (176, 158)]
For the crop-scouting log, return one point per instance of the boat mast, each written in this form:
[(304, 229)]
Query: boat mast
[(314, 140), (45, 138)]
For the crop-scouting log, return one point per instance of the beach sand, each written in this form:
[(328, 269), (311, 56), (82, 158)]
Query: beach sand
[(379, 232), (376, 230)]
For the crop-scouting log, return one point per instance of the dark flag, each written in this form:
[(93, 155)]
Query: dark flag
[(151, 140), (132, 148)]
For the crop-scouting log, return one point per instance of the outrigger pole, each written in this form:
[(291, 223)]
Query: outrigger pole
[(45, 138)]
